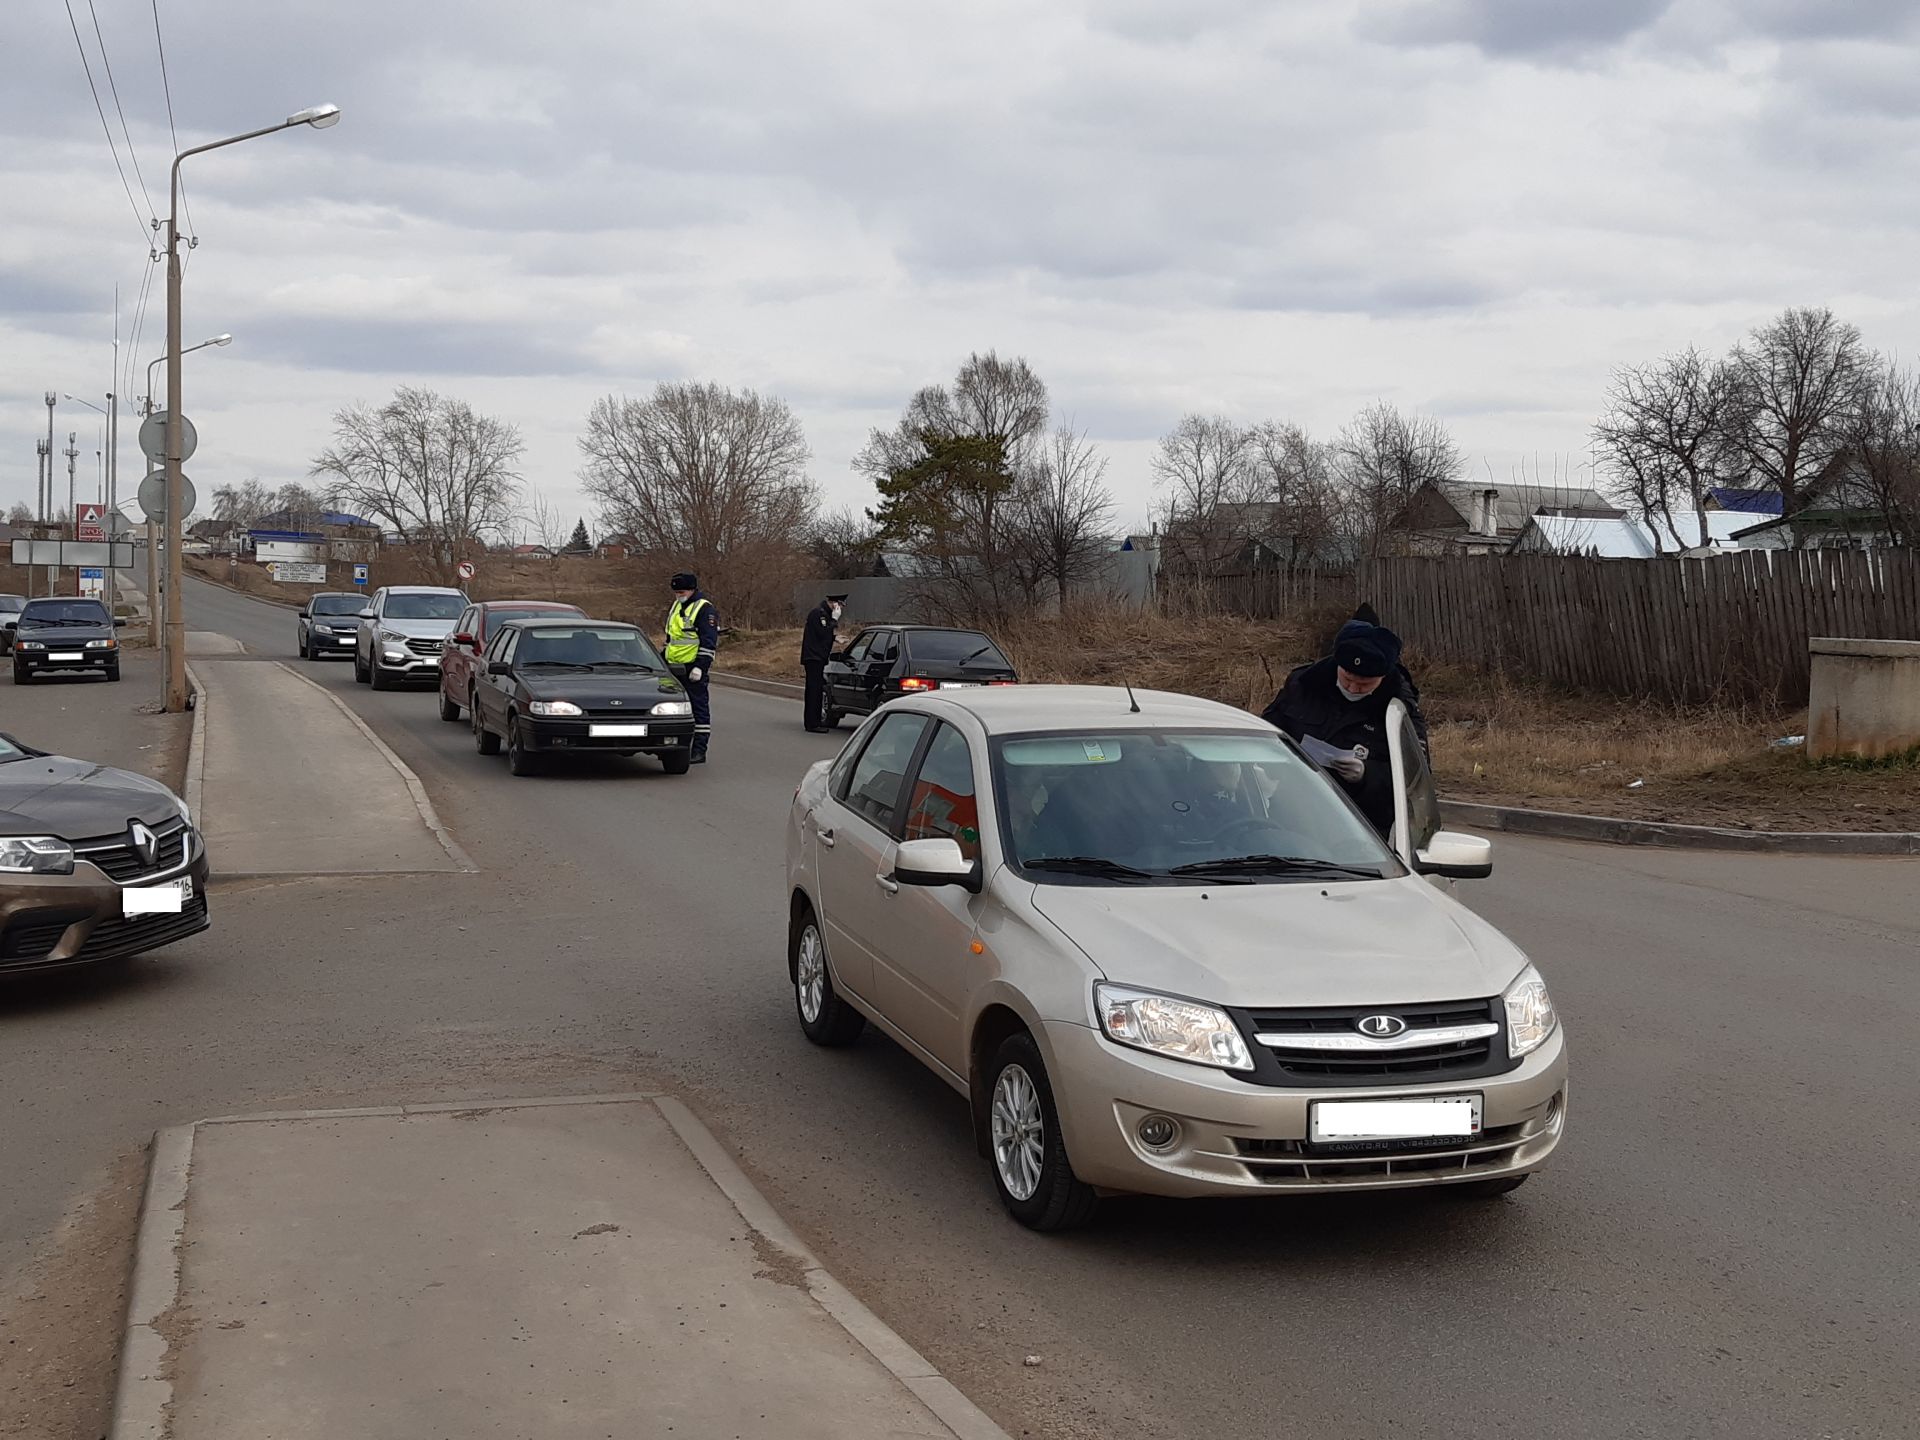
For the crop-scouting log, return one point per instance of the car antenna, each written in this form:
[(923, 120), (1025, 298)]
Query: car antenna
[(1133, 705)]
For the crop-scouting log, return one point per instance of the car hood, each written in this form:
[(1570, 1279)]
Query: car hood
[(637, 692), (77, 799), (419, 629), (1291, 944), (62, 635)]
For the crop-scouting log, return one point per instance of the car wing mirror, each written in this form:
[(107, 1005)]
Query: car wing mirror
[(1455, 856), (366, 614), (462, 638), (499, 667), (119, 622), (934, 862)]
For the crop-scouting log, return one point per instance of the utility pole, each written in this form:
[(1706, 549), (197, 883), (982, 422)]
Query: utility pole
[(46, 500), (73, 514)]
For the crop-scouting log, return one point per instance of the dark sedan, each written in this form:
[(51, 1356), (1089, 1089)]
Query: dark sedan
[(888, 661), (59, 634), (329, 624), (10, 608), (95, 863), (562, 687)]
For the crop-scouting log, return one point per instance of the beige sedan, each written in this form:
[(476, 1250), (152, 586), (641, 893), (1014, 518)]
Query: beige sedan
[(1160, 952)]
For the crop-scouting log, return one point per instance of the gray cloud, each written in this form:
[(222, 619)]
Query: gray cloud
[(1522, 27)]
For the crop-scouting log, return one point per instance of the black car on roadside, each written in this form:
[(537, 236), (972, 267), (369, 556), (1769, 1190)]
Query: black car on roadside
[(569, 686), (95, 863), (885, 662), (329, 624), (10, 608), (65, 633)]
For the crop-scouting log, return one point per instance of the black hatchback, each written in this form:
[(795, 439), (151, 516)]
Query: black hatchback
[(56, 634), (567, 686), (888, 661)]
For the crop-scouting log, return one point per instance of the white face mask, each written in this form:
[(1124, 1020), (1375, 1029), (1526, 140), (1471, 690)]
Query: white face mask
[(836, 612), (1347, 694)]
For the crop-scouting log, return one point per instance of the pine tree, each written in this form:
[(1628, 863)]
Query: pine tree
[(581, 542)]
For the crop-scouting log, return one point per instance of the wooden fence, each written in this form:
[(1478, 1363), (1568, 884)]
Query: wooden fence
[(1729, 627), (1271, 594)]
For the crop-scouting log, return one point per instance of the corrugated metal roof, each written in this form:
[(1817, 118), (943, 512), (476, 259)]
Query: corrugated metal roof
[(1747, 502)]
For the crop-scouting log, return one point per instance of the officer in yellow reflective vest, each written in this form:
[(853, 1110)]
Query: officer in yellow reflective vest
[(692, 633)]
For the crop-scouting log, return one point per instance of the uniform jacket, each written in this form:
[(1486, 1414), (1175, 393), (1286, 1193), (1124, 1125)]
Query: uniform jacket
[(706, 630), (816, 641)]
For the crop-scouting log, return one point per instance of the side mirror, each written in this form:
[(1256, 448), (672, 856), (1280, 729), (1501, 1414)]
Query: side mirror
[(499, 667), (305, 614), (934, 862), (119, 622), (1456, 857), (463, 638), (366, 614)]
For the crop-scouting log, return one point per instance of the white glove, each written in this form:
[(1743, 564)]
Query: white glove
[(1350, 769), (694, 673)]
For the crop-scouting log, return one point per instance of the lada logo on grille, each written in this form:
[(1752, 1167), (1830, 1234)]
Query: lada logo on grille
[(1380, 1027), (146, 844)]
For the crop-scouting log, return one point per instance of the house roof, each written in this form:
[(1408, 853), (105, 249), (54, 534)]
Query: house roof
[(1865, 521), (1748, 502), (1625, 538), (1513, 505)]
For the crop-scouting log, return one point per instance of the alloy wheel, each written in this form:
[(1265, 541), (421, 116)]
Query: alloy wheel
[(1019, 1132), (810, 974)]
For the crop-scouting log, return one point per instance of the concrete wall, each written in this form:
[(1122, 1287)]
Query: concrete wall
[(1864, 699)]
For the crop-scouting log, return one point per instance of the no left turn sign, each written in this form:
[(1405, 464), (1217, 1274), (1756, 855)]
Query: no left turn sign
[(466, 569)]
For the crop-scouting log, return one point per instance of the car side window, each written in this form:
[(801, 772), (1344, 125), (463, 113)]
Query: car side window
[(941, 803), (857, 652), (502, 644), (885, 646), (465, 624), (873, 787)]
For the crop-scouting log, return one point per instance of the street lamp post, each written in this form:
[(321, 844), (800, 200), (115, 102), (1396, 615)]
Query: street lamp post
[(148, 405), (319, 117)]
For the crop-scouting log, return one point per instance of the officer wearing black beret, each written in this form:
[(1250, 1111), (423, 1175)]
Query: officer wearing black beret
[(1342, 698)]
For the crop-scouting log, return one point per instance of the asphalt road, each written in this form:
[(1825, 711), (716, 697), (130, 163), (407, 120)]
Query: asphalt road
[(1724, 1247)]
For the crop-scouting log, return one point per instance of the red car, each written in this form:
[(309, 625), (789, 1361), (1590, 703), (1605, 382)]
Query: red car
[(460, 665)]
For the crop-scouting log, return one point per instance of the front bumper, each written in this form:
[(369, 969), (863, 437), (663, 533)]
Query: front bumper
[(562, 735), (49, 922), (49, 662), (410, 664), (322, 642), (1239, 1139)]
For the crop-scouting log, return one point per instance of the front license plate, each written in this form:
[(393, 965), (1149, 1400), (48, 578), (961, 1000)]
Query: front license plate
[(66, 655), (611, 731), (169, 898), (1435, 1118)]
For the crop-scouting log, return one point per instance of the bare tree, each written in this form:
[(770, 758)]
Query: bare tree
[(1795, 384), (550, 532), (1384, 458), (1300, 475), (243, 504), (1663, 428), (20, 516), (843, 544), (1205, 472), (707, 479), (1063, 512), (427, 466), (1884, 445)]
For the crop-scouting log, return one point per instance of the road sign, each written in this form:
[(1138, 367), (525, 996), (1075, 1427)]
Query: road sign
[(114, 555), (153, 496), (359, 574), (466, 569), (153, 438), (93, 524), (93, 581), (298, 572)]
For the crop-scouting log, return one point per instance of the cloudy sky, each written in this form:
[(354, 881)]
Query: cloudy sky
[(1256, 208)]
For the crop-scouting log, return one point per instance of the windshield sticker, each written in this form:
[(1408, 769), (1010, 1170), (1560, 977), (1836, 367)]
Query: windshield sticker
[(1094, 752)]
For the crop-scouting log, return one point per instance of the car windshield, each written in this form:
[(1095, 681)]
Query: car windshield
[(956, 647), (1176, 806), (338, 604), (65, 612), (10, 751), (424, 607), (614, 647), (13, 602)]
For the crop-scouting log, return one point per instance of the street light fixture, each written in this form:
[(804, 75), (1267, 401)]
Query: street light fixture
[(319, 117), (216, 340)]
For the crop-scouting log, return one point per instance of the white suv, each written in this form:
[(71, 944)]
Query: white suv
[(402, 632)]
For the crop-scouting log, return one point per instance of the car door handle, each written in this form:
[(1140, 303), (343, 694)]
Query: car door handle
[(892, 887), (826, 837)]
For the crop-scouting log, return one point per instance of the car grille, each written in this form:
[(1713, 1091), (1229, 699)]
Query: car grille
[(122, 862), (1301, 1163), (1279, 1064), (426, 647), (24, 944)]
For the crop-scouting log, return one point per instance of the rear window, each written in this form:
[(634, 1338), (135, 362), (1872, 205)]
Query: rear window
[(54, 612), (500, 617), (957, 647)]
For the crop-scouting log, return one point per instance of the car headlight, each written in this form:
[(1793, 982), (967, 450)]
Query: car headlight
[(1181, 1029), (100, 644), (393, 637), (555, 707), (35, 855), (673, 707), (1530, 1017), (28, 645)]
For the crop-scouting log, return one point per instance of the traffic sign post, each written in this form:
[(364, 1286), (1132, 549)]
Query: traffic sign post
[(359, 574), (153, 497), (153, 438), (467, 569), (92, 521)]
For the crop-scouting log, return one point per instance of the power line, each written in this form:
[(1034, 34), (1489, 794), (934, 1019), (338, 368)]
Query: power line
[(166, 87), (114, 89), (101, 111)]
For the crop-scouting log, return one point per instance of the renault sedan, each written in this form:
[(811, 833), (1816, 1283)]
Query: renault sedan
[(1158, 951)]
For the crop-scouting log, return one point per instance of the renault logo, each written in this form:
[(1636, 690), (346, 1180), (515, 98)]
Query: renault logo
[(146, 844), (1380, 1027)]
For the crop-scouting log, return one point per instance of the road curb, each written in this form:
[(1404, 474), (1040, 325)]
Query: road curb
[(1607, 830), (428, 815), (786, 689), (196, 748), (143, 1394)]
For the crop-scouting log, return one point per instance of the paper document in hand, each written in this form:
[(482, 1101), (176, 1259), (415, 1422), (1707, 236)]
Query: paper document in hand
[(1326, 756)]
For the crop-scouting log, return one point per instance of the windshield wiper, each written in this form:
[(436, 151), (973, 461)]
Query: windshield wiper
[(626, 665), (62, 620), (555, 664), (1274, 865), (1087, 865)]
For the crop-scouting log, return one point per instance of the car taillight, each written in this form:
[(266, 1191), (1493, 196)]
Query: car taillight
[(914, 682), (1003, 682)]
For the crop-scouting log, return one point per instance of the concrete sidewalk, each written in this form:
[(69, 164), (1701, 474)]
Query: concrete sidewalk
[(291, 782), (583, 1267)]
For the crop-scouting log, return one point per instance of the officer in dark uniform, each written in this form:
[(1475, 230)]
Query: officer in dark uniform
[(1342, 700), (693, 633), (816, 648)]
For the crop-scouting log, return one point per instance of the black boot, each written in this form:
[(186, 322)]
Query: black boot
[(699, 756)]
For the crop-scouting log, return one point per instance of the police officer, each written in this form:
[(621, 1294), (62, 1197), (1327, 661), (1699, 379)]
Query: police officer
[(1342, 700), (693, 631), (816, 648)]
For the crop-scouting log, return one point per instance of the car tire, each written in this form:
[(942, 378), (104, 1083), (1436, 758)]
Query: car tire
[(381, 680), (484, 740), (832, 718), (520, 760), (359, 670), (1487, 1189), (449, 711), (113, 673), (300, 644), (678, 763), (1029, 1158), (19, 673), (825, 1018)]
